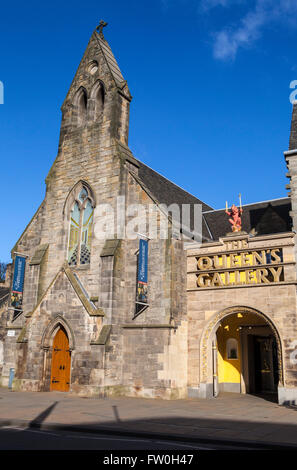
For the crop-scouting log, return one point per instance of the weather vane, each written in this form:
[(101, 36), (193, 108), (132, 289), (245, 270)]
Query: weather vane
[(100, 27), (235, 214)]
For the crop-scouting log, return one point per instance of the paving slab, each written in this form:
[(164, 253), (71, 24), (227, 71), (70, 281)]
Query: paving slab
[(229, 417)]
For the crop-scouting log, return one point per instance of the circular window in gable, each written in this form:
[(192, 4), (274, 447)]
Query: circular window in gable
[(92, 67)]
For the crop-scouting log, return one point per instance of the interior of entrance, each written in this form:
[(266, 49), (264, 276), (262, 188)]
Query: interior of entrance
[(246, 356)]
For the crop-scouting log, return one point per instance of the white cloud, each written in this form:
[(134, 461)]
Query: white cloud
[(229, 40), (259, 14), (209, 4)]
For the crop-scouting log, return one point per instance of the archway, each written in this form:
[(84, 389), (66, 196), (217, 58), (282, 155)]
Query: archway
[(241, 352), (61, 362)]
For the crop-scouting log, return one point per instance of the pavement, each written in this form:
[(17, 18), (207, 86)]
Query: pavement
[(231, 419)]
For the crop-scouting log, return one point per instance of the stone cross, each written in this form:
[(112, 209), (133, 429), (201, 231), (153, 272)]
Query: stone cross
[(100, 27)]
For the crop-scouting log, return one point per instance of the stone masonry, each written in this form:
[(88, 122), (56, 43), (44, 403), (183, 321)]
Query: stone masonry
[(167, 350), (95, 303)]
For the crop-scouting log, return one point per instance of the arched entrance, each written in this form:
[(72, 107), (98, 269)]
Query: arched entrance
[(241, 353), (61, 362)]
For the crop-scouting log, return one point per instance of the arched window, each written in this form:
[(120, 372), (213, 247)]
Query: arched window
[(97, 101), (80, 231), (232, 348), (81, 103)]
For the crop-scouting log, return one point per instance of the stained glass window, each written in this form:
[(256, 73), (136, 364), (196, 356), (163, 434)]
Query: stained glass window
[(80, 231), (85, 249), (82, 195), (74, 235)]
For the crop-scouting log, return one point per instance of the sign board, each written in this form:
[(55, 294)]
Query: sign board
[(242, 267)]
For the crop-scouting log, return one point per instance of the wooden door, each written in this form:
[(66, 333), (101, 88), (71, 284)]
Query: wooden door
[(61, 359)]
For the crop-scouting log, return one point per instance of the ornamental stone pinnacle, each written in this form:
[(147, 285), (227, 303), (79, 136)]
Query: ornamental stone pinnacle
[(100, 27)]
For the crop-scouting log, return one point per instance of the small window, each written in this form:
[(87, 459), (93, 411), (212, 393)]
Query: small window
[(232, 348)]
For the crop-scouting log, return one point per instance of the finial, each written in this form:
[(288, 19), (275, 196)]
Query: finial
[(100, 27)]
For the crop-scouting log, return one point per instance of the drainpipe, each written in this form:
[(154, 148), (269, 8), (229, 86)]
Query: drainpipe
[(214, 368)]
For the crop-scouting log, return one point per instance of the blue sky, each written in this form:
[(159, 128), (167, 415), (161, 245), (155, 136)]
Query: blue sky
[(210, 81)]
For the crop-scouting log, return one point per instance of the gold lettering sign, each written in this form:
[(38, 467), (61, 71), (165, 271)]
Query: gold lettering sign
[(240, 268)]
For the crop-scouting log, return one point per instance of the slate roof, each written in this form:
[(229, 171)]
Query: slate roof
[(261, 218), (166, 192)]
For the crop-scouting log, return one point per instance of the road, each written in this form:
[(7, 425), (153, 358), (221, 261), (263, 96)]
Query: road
[(36, 447), (13, 438)]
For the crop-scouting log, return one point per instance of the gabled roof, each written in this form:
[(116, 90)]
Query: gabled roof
[(78, 288), (260, 218), (166, 192)]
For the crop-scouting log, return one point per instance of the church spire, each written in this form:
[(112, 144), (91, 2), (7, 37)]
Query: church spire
[(98, 97)]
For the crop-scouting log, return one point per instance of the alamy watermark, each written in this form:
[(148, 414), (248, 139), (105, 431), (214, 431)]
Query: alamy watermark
[(1, 93), (293, 95), (127, 221)]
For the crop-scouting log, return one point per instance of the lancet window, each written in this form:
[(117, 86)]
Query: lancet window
[(80, 230)]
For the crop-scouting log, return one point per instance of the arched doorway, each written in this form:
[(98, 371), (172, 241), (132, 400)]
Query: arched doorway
[(246, 355), (241, 353), (61, 362)]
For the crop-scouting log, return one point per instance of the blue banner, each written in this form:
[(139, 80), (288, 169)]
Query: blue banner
[(142, 272), (19, 274), (142, 261), (18, 282)]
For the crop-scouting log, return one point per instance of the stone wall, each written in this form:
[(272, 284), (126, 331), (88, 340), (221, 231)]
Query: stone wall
[(206, 307), (93, 151)]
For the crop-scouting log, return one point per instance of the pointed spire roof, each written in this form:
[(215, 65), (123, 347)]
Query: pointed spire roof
[(293, 135), (110, 60), (102, 47)]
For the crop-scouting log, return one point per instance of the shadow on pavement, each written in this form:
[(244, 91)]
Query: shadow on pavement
[(42, 416), (235, 433)]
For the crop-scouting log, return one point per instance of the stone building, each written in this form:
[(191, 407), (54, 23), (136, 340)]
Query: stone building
[(220, 315)]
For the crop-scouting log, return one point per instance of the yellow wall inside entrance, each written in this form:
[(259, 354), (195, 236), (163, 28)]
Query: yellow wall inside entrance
[(229, 370)]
